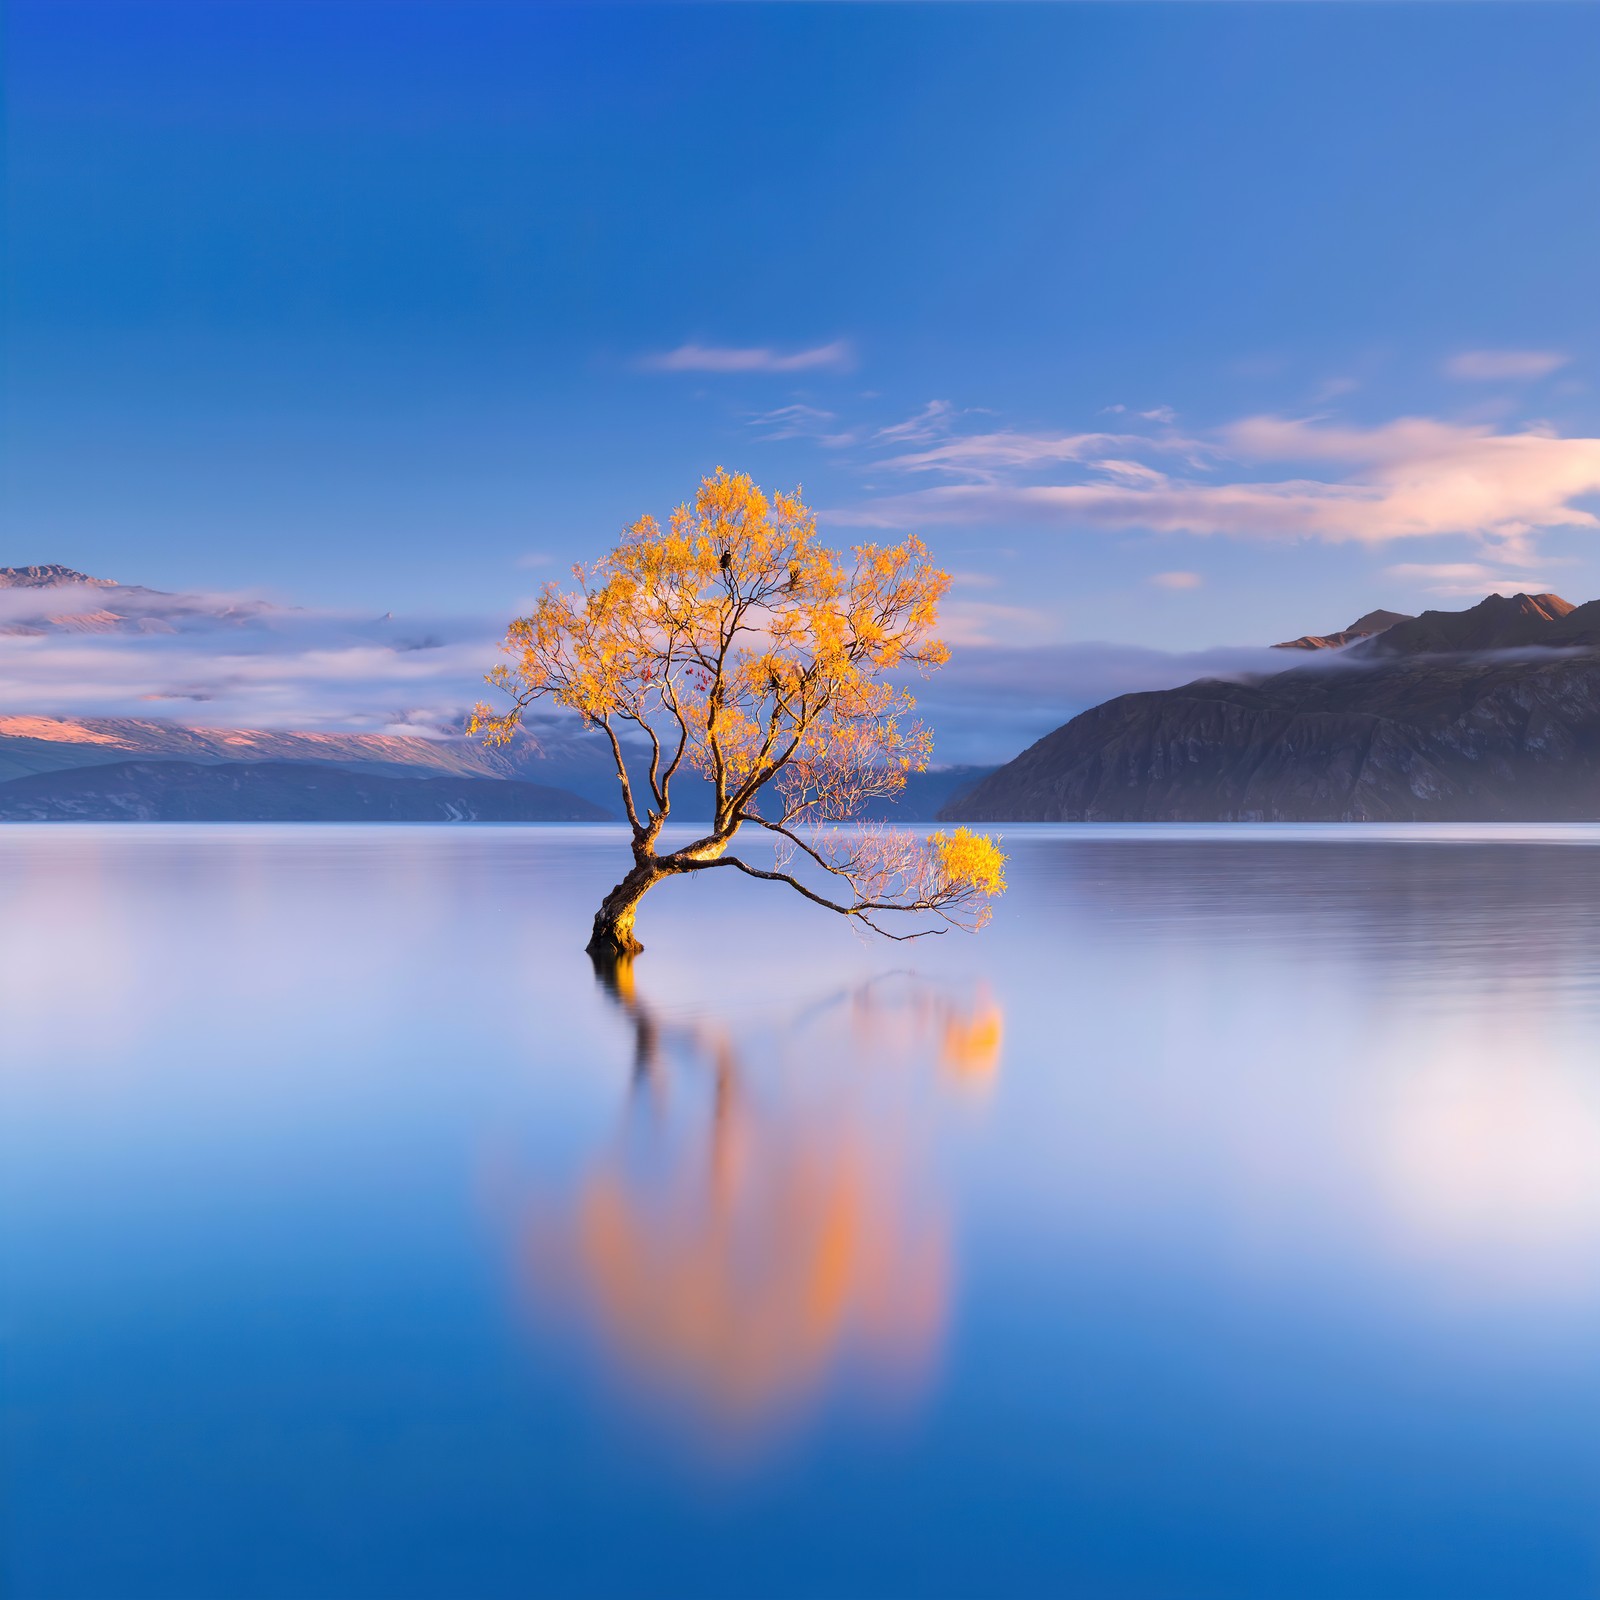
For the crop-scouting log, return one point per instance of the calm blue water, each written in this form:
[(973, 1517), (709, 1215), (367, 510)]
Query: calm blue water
[(1224, 1221)]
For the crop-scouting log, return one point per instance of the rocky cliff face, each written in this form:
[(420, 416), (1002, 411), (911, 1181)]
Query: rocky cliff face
[(1391, 731)]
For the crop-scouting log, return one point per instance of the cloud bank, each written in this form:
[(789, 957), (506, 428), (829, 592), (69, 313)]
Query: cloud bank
[(990, 703), (235, 661), (1414, 477)]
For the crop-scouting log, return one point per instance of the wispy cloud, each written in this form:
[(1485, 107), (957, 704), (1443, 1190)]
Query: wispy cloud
[(931, 422), (1504, 366), (1135, 473), (1413, 477), (839, 356), (985, 456), (799, 421), (1176, 580), (1154, 414), (1466, 578)]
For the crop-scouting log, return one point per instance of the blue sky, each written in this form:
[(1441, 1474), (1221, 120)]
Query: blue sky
[(1179, 326)]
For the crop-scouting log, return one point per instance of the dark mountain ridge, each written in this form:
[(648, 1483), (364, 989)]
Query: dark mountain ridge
[(1525, 621), (1492, 713), (1361, 628)]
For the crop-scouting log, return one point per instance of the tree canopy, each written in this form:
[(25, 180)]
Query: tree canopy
[(734, 641)]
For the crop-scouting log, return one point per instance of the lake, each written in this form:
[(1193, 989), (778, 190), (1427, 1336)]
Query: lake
[(1222, 1221)]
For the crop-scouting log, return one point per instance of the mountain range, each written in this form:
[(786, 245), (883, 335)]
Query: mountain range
[(1490, 713)]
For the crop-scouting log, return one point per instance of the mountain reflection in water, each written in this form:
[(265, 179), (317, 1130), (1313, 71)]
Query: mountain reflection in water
[(751, 1232)]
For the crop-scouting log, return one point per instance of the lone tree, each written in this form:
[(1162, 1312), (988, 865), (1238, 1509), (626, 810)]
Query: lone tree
[(733, 640)]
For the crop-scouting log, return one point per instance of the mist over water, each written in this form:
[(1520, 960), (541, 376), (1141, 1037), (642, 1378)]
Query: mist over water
[(1225, 1220)]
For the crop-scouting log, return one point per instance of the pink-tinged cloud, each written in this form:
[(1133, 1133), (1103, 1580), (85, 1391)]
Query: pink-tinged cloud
[(1505, 366), (839, 356), (1412, 478), (1176, 580), (990, 622)]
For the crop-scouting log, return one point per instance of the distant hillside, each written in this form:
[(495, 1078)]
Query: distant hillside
[(44, 744), (580, 764), (1487, 714), (277, 791)]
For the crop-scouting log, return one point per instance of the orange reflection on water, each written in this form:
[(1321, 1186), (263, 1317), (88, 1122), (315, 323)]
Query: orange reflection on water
[(735, 1285), (973, 1039), (748, 1238)]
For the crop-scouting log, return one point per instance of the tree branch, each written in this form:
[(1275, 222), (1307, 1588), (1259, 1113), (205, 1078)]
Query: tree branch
[(859, 910), (622, 775), (795, 839), (668, 690)]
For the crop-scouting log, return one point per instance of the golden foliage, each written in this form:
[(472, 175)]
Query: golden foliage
[(731, 638), (965, 859)]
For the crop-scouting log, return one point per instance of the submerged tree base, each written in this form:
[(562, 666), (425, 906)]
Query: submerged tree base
[(611, 939), (607, 947)]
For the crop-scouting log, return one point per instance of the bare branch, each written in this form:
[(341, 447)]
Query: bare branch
[(622, 774), (859, 909)]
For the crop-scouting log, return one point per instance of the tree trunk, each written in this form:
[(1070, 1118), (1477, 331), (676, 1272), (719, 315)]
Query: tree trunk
[(612, 939)]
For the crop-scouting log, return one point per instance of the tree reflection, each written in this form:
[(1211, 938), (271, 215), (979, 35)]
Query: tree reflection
[(764, 1223)]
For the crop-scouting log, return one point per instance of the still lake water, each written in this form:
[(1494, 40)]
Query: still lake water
[(1224, 1221)]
